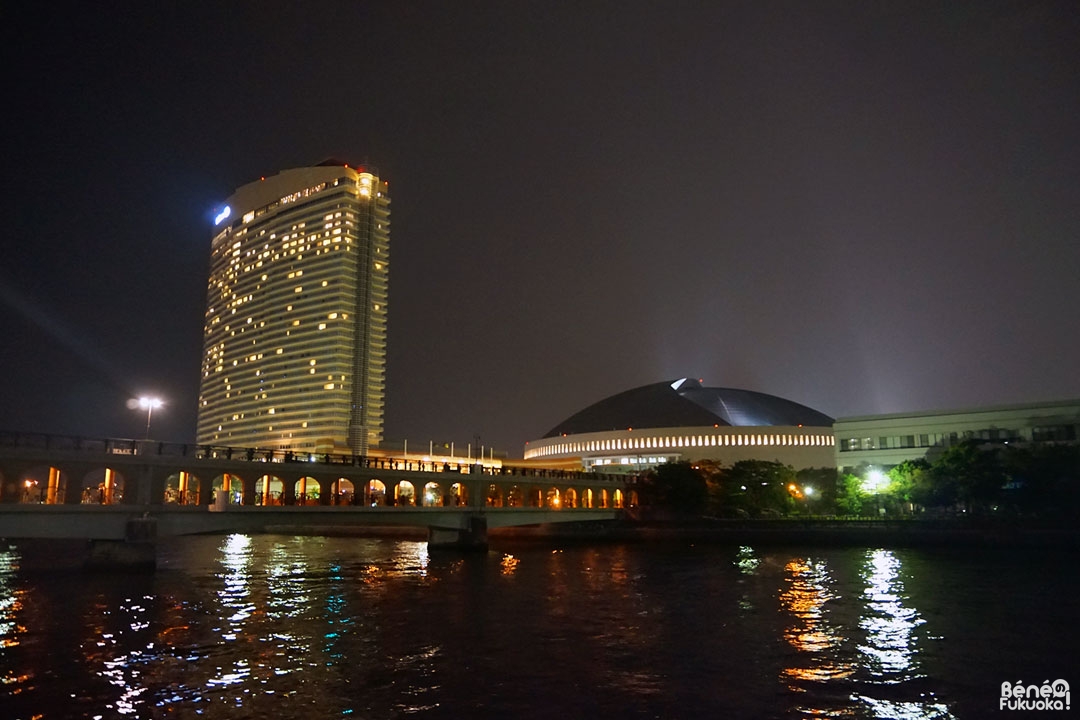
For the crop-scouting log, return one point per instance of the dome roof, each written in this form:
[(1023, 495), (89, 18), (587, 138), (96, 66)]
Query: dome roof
[(685, 403)]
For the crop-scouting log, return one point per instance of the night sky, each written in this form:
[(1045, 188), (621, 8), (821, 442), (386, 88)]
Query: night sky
[(861, 206)]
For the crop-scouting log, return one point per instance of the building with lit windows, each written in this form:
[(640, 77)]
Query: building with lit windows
[(884, 441), (294, 353), (682, 420)]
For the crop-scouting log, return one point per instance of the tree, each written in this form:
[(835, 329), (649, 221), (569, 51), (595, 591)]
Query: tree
[(909, 483), (824, 481), (677, 487), (968, 474), (752, 487), (1042, 479), (850, 496)]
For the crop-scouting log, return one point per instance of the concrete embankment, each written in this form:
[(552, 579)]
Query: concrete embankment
[(911, 533)]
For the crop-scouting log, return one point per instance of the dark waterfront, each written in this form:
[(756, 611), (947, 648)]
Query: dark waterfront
[(311, 627)]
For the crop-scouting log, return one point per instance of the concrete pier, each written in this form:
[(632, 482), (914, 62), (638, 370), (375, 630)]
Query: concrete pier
[(475, 536), (137, 551)]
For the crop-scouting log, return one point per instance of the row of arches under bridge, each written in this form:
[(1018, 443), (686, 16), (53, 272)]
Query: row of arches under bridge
[(107, 486)]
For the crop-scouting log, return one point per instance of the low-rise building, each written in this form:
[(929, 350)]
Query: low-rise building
[(884, 441)]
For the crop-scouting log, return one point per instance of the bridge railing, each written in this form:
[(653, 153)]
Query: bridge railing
[(128, 446)]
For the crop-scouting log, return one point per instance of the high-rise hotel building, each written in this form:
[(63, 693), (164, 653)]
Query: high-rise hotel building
[(294, 353)]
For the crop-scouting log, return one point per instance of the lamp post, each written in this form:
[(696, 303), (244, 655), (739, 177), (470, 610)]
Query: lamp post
[(148, 404)]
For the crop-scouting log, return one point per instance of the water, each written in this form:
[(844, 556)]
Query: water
[(304, 627)]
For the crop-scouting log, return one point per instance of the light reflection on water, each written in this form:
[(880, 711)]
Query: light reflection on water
[(885, 649), (890, 649), (247, 626), (889, 624), (12, 680), (10, 598), (811, 633)]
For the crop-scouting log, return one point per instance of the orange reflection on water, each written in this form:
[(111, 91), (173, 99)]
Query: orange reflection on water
[(509, 564), (805, 598)]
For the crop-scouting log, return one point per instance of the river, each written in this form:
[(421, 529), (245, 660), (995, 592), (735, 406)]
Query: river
[(326, 627)]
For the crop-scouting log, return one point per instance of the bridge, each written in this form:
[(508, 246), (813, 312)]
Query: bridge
[(126, 494)]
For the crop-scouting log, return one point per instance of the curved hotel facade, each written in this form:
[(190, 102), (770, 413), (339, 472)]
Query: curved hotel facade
[(681, 420), (295, 332)]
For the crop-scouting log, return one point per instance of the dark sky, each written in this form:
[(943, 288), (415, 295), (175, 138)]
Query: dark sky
[(861, 206)]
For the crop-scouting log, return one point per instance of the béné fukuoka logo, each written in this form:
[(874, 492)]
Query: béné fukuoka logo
[(1048, 696)]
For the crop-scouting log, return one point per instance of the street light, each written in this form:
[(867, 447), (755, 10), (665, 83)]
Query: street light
[(875, 482), (148, 404)]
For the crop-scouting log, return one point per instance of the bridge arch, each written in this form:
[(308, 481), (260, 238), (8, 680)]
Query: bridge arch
[(376, 491), (345, 492), (269, 490), (181, 488), (33, 483), (553, 498), (515, 497), (432, 495), (231, 485), (101, 486), (494, 495), (307, 490), (460, 494), (404, 493), (570, 499)]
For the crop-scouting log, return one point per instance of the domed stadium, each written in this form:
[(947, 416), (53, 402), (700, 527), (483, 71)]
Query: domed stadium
[(681, 420)]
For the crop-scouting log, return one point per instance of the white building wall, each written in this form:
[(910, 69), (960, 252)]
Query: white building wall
[(800, 447), (888, 440)]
